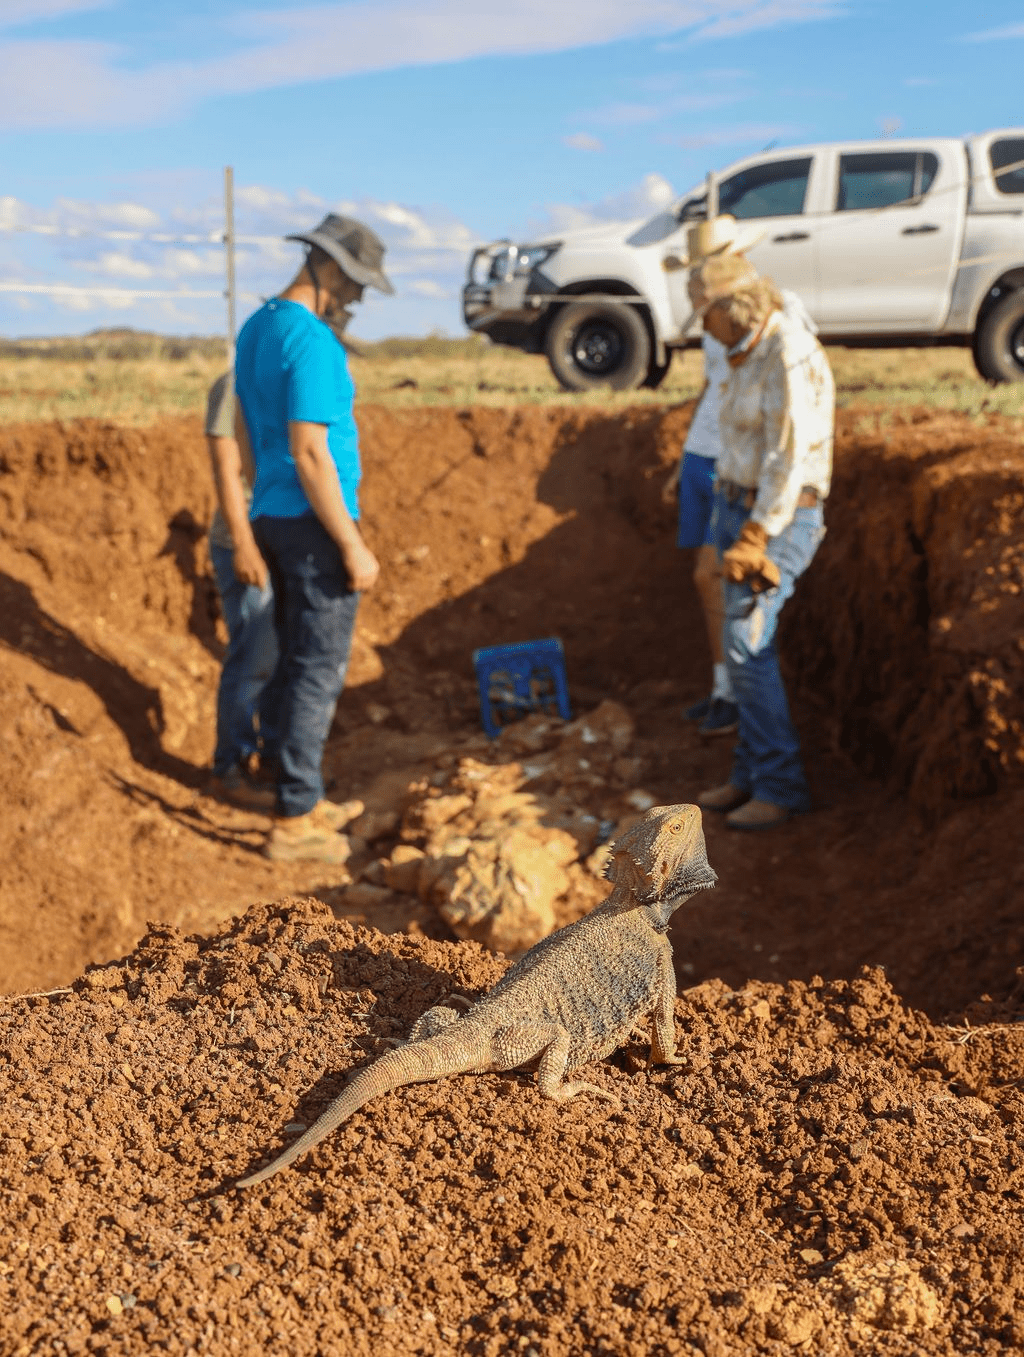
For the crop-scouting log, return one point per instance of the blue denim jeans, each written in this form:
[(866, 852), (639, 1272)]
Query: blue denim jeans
[(315, 614), (766, 760), (245, 716)]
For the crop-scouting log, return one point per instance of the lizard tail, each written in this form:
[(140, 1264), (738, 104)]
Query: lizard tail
[(423, 1060)]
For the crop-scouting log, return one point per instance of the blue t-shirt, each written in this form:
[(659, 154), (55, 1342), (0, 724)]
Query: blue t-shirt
[(290, 367)]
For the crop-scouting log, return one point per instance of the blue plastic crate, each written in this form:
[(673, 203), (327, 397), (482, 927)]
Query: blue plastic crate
[(516, 680)]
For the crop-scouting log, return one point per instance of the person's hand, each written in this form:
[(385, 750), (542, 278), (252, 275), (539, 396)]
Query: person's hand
[(249, 566), (747, 560), (362, 566), (670, 490)]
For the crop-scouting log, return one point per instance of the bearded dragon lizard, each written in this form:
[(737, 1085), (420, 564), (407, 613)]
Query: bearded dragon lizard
[(573, 998)]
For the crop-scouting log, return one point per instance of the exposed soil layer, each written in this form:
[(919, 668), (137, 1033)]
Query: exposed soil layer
[(500, 525), (829, 1171), (835, 1168)]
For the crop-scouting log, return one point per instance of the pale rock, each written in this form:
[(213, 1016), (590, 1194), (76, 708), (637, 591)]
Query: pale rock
[(499, 893), (402, 873), (363, 895)]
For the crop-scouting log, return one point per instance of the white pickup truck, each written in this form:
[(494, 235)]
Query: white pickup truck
[(895, 243)]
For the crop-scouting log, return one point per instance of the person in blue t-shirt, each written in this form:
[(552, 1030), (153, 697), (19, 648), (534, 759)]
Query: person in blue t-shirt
[(296, 395)]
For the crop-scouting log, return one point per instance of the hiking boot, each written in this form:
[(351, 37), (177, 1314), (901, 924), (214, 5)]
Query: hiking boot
[(239, 788), (306, 838), (698, 711), (336, 816), (723, 798), (722, 719), (755, 815)]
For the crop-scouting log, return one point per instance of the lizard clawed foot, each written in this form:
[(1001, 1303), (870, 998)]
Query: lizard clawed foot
[(569, 1090)]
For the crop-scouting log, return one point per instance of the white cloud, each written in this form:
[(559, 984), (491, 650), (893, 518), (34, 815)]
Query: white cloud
[(996, 34), (17, 12), (428, 287), (56, 83), (50, 249), (633, 114), (643, 199), (736, 134), (774, 14), (583, 141), (115, 264)]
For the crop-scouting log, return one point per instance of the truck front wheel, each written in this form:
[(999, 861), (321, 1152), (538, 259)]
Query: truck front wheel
[(591, 344), (999, 341)]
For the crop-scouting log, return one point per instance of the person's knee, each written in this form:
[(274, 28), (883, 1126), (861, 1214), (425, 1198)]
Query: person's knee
[(706, 574)]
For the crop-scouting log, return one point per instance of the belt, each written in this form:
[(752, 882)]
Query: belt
[(808, 498)]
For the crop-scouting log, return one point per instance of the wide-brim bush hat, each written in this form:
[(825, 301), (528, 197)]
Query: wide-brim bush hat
[(357, 250), (706, 239), (717, 278)]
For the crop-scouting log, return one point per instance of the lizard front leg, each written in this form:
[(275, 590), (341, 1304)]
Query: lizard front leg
[(548, 1044), (663, 1019)]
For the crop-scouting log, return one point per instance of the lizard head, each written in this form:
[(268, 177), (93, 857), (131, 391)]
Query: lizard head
[(662, 860)]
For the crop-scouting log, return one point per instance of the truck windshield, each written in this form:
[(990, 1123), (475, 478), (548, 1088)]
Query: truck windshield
[(1007, 159)]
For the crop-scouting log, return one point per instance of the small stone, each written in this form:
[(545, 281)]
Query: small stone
[(235, 1269), (273, 961), (114, 1305), (812, 1256), (128, 1300)]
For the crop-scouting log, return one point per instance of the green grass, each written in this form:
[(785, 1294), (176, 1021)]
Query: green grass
[(133, 378)]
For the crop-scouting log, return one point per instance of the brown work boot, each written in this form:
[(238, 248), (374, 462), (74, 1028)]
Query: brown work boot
[(239, 788), (335, 815), (306, 838), (758, 815), (723, 798)]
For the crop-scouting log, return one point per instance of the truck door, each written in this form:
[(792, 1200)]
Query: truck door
[(777, 193), (888, 254)]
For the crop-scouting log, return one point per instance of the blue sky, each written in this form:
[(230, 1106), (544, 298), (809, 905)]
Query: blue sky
[(442, 123)]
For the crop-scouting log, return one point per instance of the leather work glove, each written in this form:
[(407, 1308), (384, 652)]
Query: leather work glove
[(746, 560)]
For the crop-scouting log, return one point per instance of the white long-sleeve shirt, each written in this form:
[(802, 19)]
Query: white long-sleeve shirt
[(777, 418), (704, 434)]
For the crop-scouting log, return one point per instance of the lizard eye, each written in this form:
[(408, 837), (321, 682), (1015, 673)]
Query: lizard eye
[(676, 828)]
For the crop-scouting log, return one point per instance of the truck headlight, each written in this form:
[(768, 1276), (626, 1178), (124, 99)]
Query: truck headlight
[(530, 257)]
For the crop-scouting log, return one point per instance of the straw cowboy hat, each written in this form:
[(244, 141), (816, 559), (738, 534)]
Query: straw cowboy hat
[(718, 277), (720, 235)]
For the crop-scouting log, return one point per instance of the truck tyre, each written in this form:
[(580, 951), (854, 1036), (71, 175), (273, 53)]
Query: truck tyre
[(999, 340), (592, 344)]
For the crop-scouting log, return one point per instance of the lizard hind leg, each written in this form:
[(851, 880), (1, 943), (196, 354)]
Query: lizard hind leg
[(548, 1044), (436, 1019)]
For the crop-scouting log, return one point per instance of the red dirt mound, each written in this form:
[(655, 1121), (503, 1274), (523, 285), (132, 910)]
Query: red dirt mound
[(828, 1171)]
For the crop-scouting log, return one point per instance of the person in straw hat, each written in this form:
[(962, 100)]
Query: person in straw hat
[(692, 480), (296, 396), (773, 474)]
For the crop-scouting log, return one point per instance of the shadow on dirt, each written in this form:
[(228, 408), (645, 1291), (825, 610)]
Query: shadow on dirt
[(133, 707)]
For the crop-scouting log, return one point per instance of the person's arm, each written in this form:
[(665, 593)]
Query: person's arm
[(319, 479), (226, 456)]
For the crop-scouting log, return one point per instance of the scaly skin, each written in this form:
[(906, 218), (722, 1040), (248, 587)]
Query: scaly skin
[(574, 997)]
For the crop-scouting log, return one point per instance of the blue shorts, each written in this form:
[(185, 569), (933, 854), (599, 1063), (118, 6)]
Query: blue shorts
[(696, 500)]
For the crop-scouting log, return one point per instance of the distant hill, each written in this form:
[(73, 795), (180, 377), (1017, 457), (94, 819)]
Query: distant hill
[(122, 342)]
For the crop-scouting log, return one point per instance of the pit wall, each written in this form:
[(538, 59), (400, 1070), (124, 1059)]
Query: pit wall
[(910, 623), (502, 525)]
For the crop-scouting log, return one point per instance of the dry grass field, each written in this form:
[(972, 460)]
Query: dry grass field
[(137, 379)]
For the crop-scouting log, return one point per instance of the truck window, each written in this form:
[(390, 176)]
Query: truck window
[(875, 179), (1007, 157), (775, 189)]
